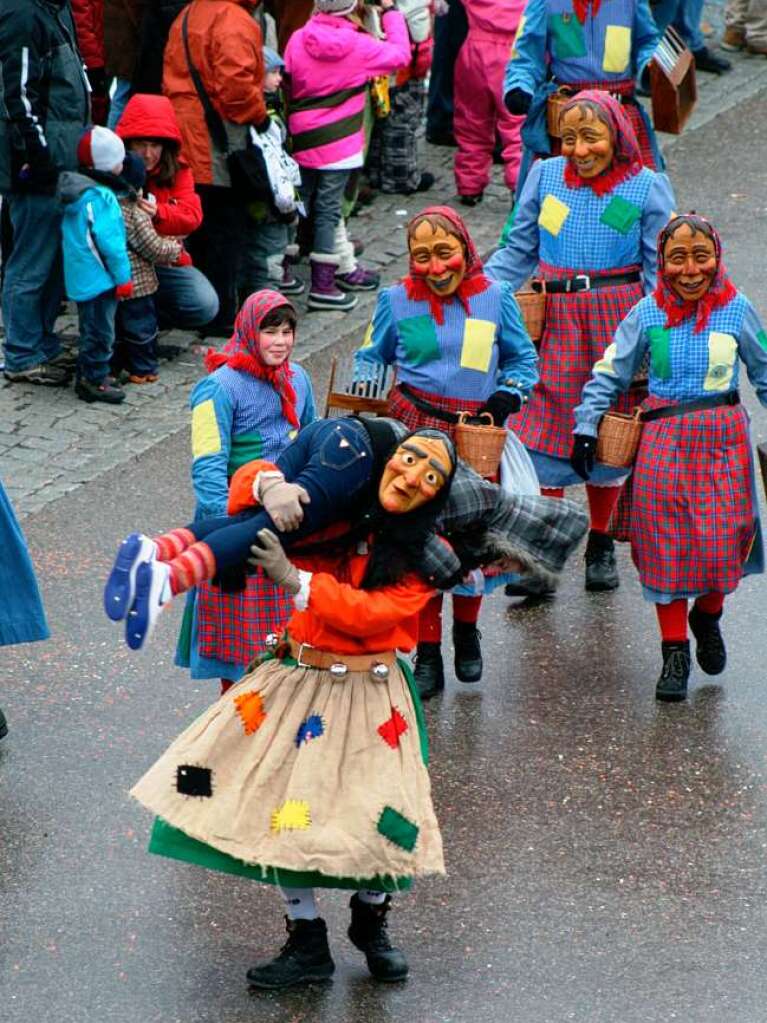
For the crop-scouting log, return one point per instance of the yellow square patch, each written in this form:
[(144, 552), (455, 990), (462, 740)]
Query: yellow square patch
[(553, 214), (206, 439), (477, 349), (605, 364), (617, 49), (722, 353)]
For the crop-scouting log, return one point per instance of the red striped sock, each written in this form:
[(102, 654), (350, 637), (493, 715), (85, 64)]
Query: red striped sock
[(602, 502), (672, 619), (710, 603), (170, 545), (466, 609), (552, 491), (196, 565)]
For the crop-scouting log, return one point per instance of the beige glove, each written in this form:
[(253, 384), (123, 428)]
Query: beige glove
[(272, 558), (283, 502)]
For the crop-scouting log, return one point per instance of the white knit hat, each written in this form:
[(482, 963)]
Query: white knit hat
[(339, 7), (100, 149)]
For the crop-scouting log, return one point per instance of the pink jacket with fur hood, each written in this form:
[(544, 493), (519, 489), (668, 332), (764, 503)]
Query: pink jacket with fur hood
[(330, 61)]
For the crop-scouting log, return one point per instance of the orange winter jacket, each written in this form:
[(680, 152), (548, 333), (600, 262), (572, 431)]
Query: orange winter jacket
[(225, 43)]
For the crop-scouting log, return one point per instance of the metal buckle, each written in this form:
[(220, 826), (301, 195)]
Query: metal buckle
[(586, 285), (299, 662)]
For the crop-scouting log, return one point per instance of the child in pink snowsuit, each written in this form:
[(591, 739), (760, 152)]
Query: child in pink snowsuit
[(479, 107)]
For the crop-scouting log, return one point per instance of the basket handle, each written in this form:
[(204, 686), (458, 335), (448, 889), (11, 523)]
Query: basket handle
[(638, 413), (464, 416)]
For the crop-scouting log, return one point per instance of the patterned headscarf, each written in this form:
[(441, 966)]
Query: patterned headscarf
[(243, 351), (627, 157), (720, 292), (581, 8), (474, 281)]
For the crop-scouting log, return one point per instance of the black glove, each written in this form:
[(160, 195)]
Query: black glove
[(583, 455), (264, 125), (517, 101), (38, 174), (500, 405), (98, 81)]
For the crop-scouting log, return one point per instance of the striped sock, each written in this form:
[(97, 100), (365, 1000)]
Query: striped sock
[(196, 565), (170, 545)]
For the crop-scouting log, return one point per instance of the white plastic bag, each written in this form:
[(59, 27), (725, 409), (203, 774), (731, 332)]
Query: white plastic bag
[(518, 474), (284, 173)]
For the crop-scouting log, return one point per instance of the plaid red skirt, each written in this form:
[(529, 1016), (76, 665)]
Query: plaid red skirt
[(578, 329), (231, 626), (414, 419), (631, 110), (693, 519)]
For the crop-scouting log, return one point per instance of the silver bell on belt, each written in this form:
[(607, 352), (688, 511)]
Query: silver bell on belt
[(379, 672), (271, 641), (338, 670)]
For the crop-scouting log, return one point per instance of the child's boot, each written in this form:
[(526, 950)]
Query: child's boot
[(153, 592), (710, 651), (324, 292), (672, 684), (601, 566), (120, 590), (468, 652), (367, 932), (358, 279), (429, 672), (304, 957)]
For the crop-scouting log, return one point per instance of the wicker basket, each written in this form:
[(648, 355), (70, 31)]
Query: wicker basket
[(532, 305), (554, 105), (481, 446), (618, 438)]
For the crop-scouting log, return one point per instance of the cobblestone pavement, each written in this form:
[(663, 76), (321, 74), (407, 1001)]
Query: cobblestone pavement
[(51, 443)]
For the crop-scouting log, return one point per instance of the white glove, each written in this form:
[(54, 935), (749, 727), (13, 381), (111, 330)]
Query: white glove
[(274, 561), (283, 502)]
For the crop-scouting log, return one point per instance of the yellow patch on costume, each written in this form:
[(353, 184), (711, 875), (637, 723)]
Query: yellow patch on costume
[(617, 49), (520, 30), (206, 440), (367, 341), (722, 353), (553, 214), (477, 348), (250, 707), (293, 815), (605, 364), (292, 434)]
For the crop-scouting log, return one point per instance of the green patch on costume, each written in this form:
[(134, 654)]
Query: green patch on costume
[(567, 36), (507, 227), (166, 840), (418, 335), (245, 448), (620, 215), (761, 337), (660, 352), (398, 829)]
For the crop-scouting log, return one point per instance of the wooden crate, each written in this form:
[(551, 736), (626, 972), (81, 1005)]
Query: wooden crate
[(672, 83), (369, 397)]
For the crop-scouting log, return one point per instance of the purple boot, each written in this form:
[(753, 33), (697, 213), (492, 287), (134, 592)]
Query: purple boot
[(359, 279), (324, 292)]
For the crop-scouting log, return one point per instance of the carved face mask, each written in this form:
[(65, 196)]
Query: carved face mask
[(416, 472), (438, 258), (587, 142), (689, 263)]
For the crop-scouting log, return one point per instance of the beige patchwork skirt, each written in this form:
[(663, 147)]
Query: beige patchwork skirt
[(296, 772)]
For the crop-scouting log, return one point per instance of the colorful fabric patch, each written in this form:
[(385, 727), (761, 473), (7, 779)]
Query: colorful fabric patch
[(477, 348), (312, 728), (567, 36), (293, 815), (617, 49), (393, 728), (418, 335), (761, 337), (553, 214), (250, 707), (660, 353), (620, 214), (194, 781), (605, 364), (367, 341), (206, 440), (398, 829), (520, 30), (722, 353)]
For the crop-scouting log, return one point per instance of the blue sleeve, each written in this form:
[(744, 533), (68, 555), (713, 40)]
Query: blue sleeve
[(527, 67), (752, 346), (109, 231), (309, 411), (644, 38), (515, 261), (212, 419), (612, 374), (518, 364), (655, 215), (380, 343)]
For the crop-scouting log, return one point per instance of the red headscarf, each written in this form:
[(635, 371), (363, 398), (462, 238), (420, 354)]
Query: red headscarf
[(243, 351), (627, 158), (581, 8), (720, 292), (473, 283)]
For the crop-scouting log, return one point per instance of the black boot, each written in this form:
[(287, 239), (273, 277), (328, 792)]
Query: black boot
[(3, 725), (710, 651), (467, 651), (672, 684), (429, 673), (368, 932), (601, 568), (304, 957), (530, 587)]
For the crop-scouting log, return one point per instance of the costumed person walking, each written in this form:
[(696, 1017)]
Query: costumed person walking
[(312, 770), (694, 522), (251, 405), (577, 45), (587, 224), (459, 344)]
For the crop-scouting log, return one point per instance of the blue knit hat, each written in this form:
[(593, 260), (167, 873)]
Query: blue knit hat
[(272, 60), (134, 171)]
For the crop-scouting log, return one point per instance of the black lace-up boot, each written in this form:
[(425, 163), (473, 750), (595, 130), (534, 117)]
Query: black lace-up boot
[(368, 933), (601, 568), (429, 672), (304, 957), (468, 653), (672, 684), (710, 652)]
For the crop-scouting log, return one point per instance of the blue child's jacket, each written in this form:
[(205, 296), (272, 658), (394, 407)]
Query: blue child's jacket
[(93, 236)]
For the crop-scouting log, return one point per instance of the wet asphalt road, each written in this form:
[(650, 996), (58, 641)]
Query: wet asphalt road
[(606, 854)]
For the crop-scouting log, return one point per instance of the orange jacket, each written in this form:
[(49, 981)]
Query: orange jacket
[(226, 48)]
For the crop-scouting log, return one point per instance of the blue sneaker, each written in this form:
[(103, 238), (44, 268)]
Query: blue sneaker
[(152, 594), (120, 589)]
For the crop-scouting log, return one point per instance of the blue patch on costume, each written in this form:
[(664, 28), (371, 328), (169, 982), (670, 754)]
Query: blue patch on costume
[(312, 728)]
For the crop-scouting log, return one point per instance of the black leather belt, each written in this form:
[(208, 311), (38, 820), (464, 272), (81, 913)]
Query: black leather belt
[(426, 406), (685, 407), (584, 282)]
